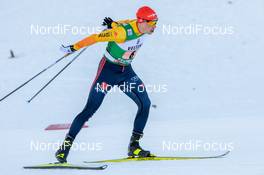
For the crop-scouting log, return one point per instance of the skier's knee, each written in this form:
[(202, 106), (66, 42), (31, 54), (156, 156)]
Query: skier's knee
[(146, 104), (86, 114)]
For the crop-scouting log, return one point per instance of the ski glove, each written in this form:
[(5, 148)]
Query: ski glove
[(68, 49), (108, 22)]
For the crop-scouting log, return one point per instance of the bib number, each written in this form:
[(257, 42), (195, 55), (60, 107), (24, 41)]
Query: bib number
[(129, 55)]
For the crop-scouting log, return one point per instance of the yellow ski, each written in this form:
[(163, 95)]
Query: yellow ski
[(157, 158)]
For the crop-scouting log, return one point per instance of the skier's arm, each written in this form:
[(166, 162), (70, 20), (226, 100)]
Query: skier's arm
[(117, 23), (117, 34), (125, 21), (110, 23)]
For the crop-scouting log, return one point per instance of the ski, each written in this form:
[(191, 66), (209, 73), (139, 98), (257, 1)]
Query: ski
[(58, 165), (157, 158)]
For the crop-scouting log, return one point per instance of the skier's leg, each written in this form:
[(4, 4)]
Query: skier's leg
[(95, 99), (136, 91), (139, 95)]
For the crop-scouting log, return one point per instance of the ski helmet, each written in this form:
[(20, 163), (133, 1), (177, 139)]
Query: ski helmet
[(146, 13)]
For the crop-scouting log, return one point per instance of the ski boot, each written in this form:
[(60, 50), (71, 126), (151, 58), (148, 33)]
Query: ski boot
[(134, 150), (62, 153)]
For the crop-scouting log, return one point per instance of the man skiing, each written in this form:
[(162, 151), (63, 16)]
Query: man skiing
[(124, 40)]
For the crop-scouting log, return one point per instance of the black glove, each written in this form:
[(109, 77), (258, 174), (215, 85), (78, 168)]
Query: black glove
[(108, 22), (67, 49)]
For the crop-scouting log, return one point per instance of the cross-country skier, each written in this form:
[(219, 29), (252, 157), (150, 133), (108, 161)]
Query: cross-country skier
[(124, 40)]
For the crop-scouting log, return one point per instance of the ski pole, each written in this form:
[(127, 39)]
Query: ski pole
[(33, 77), (56, 75)]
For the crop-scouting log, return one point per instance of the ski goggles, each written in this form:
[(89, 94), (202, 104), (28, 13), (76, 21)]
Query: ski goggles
[(152, 23)]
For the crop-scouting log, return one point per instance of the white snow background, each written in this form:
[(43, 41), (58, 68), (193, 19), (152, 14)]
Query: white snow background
[(215, 87)]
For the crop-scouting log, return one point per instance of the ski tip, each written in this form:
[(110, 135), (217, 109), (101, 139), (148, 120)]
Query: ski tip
[(227, 152), (224, 154), (104, 167)]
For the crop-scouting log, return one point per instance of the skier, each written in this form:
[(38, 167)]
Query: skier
[(124, 40)]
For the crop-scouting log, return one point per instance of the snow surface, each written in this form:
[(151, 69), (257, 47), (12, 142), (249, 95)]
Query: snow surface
[(215, 87)]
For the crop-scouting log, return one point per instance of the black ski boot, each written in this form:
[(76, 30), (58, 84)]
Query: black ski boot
[(134, 150), (62, 153)]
